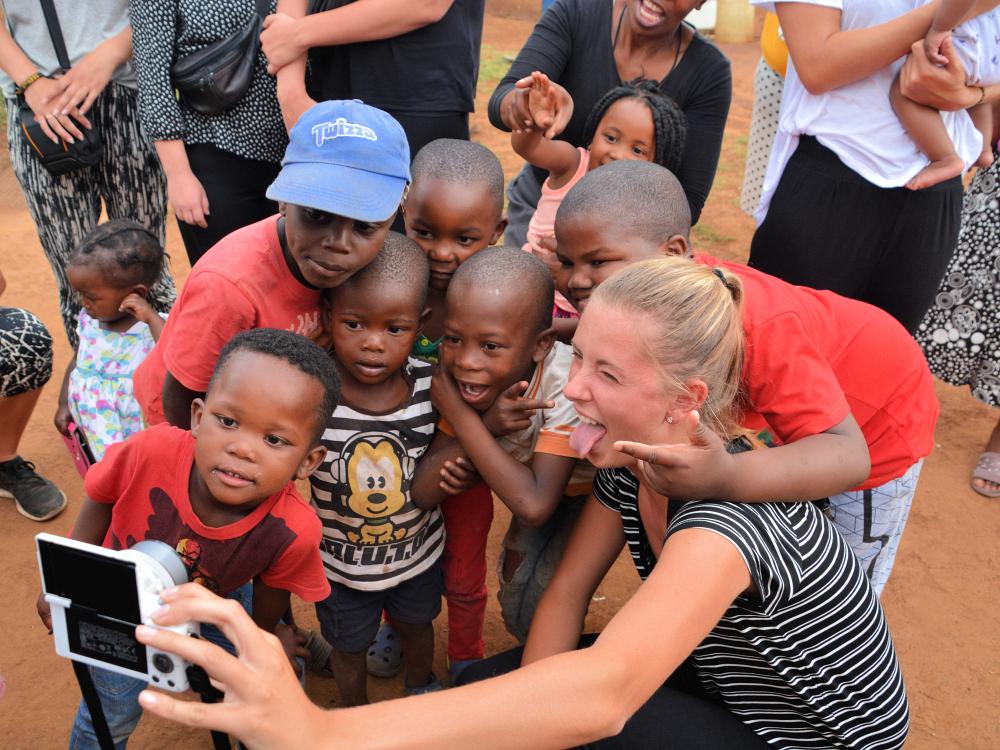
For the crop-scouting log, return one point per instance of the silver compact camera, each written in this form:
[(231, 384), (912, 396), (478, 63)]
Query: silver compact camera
[(98, 596)]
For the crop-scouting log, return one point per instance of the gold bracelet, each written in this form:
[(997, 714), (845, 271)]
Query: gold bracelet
[(20, 88), (982, 95)]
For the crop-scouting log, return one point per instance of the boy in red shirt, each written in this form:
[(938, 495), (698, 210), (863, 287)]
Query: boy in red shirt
[(222, 495), (829, 376), (341, 182)]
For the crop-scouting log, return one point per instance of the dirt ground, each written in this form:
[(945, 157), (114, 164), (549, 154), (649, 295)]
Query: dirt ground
[(941, 601)]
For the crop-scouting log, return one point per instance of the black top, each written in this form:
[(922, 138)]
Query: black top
[(806, 659), (163, 31), (431, 70), (572, 45)]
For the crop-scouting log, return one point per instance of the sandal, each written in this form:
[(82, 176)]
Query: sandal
[(319, 653), (385, 655), (987, 469)]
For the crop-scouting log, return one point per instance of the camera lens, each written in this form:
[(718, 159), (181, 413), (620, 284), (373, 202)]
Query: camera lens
[(163, 663)]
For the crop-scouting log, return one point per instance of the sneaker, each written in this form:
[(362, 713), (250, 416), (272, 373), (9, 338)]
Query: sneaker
[(34, 495), (433, 685), (455, 668)]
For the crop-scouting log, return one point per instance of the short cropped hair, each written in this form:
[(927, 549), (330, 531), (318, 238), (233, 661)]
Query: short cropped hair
[(125, 252), (399, 261), (297, 351), (514, 272), (454, 160), (644, 196)]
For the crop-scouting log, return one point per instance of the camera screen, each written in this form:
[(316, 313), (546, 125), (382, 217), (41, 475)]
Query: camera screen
[(100, 638), (101, 584)]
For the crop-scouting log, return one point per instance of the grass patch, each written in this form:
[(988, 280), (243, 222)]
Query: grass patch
[(492, 64), (705, 233)]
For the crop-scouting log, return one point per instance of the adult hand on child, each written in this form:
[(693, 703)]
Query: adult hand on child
[(511, 412), (264, 704), (188, 197), (280, 42), (699, 470), (936, 86), (458, 476)]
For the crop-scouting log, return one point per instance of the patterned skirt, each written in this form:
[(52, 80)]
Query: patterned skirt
[(961, 332)]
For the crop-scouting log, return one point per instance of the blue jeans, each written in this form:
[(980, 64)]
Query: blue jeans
[(120, 694)]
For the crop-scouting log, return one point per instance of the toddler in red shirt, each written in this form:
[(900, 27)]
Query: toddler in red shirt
[(841, 385), (340, 184), (222, 495)]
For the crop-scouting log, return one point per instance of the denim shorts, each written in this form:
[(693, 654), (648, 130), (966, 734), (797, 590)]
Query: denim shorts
[(350, 618)]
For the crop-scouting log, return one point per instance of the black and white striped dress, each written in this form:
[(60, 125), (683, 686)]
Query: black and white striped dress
[(807, 661)]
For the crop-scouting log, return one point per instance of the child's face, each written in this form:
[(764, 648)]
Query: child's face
[(100, 298), (625, 132), (590, 249), (373, 327), (486, 347), (255, 429), (328, 248), (451, 222)]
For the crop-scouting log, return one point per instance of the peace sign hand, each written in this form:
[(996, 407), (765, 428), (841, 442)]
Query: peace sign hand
[(699, 470)]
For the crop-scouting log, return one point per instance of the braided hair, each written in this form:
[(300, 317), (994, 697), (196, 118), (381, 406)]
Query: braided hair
[(669, 123), (125, 251)]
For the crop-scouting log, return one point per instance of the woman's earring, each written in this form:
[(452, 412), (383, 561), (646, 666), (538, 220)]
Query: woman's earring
[(670, 420)]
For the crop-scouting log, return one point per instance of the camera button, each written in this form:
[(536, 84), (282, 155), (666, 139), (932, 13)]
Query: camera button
[(163, 663)]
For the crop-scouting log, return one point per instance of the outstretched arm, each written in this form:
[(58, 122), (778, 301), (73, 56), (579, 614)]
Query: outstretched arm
[(561, 701), (559, 158)]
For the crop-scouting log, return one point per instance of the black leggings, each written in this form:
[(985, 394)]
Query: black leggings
[(829, 228), (235, 188), (678, 716)]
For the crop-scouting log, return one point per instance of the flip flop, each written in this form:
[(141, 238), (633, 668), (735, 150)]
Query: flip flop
[(319, 654), (987, 469)]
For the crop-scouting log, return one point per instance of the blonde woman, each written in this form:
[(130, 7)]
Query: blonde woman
[(755, 627)]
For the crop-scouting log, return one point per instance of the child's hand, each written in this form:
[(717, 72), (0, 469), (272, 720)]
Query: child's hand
[(62, 419), (445, 395), (555, 109), (458, 476), (932, 46), (44, 611), (294, 644), (699, 470), (512, 413), (138, 307)]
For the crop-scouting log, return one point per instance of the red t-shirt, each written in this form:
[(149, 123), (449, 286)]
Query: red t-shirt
[(243, 282), (813, 356), (146, 480)]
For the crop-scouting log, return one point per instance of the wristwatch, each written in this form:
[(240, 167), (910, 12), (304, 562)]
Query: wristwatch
[(20, 88)]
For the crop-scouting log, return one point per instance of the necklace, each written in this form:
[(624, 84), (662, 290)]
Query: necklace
[(677, 50)]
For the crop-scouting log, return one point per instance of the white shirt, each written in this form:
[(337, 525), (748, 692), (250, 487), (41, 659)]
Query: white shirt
[(856, 121)]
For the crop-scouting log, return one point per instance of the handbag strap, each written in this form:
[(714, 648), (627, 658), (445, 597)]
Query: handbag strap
[(55, 32), (263, 8)]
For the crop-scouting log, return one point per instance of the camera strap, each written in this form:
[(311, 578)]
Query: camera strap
[(199, 682), (93, 701), (55, 33)]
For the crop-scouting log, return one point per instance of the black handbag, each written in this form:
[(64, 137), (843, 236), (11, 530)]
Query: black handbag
[(58, 158), (214, 78)]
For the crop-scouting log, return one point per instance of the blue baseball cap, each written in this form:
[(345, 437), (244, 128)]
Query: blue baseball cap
[(345, 158)]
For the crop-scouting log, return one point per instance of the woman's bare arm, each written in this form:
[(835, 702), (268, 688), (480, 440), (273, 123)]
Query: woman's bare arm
[(827, 57)]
